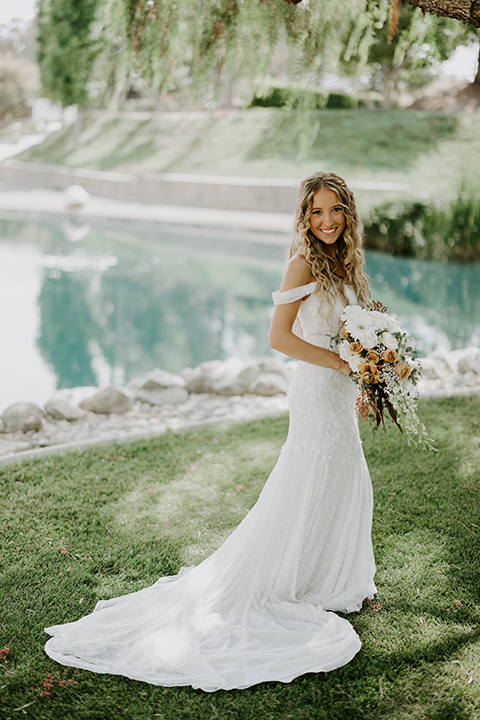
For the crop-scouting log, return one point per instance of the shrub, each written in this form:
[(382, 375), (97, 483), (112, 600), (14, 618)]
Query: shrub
[(428, 230), (292, 96)]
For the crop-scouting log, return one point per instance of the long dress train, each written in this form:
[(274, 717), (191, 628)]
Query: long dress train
[(260, 607)]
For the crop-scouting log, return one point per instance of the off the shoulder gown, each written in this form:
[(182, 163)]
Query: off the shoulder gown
[(259, 608)]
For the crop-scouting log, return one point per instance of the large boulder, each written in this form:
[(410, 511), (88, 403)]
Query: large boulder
[(60, 409), (236, 377), (21, 417), (265, 373), (218, 376), (438, 366), (158, 387), (74, 396), (268, 384), (106, 401), (161, 379), (466, 360)]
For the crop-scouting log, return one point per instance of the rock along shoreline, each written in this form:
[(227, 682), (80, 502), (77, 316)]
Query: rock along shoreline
[(231, 390)]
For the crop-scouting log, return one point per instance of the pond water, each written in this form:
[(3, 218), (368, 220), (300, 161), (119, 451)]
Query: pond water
[(98, 305)]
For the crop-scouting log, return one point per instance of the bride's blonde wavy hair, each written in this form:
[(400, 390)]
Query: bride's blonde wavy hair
[(348, 246)]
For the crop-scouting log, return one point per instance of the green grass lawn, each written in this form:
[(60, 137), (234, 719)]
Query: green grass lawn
[(431, 152), (110, 520)]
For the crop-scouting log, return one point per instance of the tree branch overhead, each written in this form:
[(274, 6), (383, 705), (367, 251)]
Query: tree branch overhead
[(465, 11)]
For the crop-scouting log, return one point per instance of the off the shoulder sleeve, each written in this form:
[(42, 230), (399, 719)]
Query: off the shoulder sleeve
[(290, 296)]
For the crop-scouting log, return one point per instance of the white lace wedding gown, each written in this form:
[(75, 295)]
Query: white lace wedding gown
[(256, 609)]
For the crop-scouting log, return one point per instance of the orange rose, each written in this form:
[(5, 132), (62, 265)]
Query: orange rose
[(362, 367), (374, 371), (390, 356), (356, 347), (403, 371), (372, 356), (344, 332), (366, 378)]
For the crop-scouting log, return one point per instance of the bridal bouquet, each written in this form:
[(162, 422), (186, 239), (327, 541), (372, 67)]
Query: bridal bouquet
[(383, 362)]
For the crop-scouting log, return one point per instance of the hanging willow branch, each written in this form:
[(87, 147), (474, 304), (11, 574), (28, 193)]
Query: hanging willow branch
[(197, 43), (467, 11)]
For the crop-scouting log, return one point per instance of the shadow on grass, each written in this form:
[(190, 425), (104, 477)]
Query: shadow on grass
[(374, 139)]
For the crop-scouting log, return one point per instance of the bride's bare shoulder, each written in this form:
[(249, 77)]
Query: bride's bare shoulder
[(297, 273)]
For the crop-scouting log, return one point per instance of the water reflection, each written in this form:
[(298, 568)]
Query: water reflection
[(438, 302), (115, 302), (67, 324)]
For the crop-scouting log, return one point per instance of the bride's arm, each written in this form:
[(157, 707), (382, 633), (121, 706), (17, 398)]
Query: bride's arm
[(282, 338)]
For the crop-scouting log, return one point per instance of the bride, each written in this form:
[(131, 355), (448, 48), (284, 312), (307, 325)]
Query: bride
[(260, 608)]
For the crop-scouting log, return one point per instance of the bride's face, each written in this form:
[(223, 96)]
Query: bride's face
[(327, 219)]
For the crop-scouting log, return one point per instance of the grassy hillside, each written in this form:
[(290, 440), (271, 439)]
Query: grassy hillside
[(430, 151)]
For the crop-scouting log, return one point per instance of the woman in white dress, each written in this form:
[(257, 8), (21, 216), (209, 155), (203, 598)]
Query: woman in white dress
[(260, 608)]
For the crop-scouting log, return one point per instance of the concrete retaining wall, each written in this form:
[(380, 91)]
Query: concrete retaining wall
[(252, 194), (205, 191)]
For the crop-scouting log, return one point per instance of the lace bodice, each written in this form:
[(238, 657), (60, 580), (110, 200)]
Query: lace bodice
[(317, 320)]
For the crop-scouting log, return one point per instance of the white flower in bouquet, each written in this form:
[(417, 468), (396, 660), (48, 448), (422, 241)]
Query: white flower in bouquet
[(354, 362), (344, 351), (353, 311), (379, 320), (414, 364), (392, 324), (357, 322), (390, 341), (368, 339), (410, 389)]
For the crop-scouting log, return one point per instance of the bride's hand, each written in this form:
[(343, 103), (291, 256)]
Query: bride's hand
[(343, 367)]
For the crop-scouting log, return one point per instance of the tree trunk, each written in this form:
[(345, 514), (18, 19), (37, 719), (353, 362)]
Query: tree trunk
[(387, 88), (464, 10)]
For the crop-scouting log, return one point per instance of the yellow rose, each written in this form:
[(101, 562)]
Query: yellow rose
[(403, 371), (390, 356), (356, 347), (344, 332), (366, 378), (374, 371), (372, 356)]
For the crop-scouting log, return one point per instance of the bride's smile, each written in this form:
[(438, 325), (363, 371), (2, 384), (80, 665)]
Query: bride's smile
[(327, 217)]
